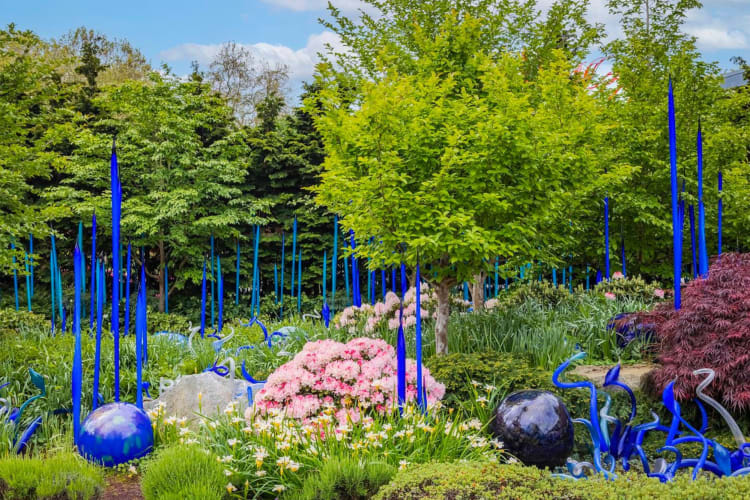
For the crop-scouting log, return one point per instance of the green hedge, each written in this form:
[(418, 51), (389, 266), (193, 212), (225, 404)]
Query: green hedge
[(631, 288), (59, 477), (509, 373), (480, 481), (12, 321)]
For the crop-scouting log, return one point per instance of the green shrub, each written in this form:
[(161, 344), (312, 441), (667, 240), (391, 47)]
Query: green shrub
[(630, 288), (480, 481), (507, 372), (12, 321), (542, 292), (345, 479), (61, 476), (503, 370), (183, 472), (470, 480), (159, 322)]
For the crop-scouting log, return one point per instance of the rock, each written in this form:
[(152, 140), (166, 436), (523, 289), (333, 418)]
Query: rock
[(182, 401), (535, 427), (634, 376)]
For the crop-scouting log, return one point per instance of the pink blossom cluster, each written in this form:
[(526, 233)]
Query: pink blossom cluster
[(387, 313), (350, 379)]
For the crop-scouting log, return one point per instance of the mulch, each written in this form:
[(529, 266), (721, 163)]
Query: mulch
[(122, 488)]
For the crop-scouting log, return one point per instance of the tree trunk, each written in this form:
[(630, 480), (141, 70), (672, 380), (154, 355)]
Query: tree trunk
[(443, 292), (162, 262), (477, 292)]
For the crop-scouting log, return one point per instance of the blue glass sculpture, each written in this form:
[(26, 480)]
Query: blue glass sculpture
[(535, 427), (627, 328), (617, 441), (115, 433)]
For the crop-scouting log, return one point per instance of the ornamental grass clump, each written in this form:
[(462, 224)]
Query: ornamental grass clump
[(711, 330), (353, 379)]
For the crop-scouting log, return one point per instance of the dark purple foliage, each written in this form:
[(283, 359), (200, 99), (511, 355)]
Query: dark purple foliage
[(711, 330)]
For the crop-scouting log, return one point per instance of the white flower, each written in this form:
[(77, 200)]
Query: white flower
[(402, 464), (279, 488), (225, 459), (228, 472), (232, 442), (230, 488), (260, 473)]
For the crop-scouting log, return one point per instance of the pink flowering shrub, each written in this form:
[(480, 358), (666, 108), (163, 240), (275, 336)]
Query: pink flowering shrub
[(352, 378), (386, 314)]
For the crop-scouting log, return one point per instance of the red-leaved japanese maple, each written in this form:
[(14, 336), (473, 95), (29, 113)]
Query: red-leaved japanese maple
[(711, 330)]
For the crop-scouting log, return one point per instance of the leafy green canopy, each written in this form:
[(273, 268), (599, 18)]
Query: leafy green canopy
[(653, 47), (29, 88), (462, 158), (182, 163)]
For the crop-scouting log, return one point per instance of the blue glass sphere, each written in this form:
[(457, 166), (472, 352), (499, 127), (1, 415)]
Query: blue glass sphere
[(115, 433), (535, 427)]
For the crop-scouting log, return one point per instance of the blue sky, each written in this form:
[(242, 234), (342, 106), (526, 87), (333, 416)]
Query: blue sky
[(287, 31)]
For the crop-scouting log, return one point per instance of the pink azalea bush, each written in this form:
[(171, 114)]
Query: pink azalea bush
[(386, 314), (352, 379)]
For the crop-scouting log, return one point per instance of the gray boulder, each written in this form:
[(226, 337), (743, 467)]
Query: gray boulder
[(182, 399)]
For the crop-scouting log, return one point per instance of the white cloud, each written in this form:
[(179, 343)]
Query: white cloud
[(301, 62), (719, 26), (718, 37)]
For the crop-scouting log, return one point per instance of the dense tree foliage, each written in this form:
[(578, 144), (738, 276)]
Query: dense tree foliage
[(462, 156), (472, 129)]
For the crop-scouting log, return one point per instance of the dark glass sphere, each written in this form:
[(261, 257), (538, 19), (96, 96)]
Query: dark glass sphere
[(535, 427), (115, 433)]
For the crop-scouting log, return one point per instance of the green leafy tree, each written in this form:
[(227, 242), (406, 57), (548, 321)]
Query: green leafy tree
[(29, 89), (734, 142), (456, 157), (653, 47), (182, 162), (285, 159)]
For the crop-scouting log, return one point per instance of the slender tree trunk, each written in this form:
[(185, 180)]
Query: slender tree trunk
[(443, 292), (162, 262), (477, 292)]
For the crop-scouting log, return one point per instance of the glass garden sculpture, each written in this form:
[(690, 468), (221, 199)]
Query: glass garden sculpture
[(617, 441), (116, 432), (13, 415), (535, 427)]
